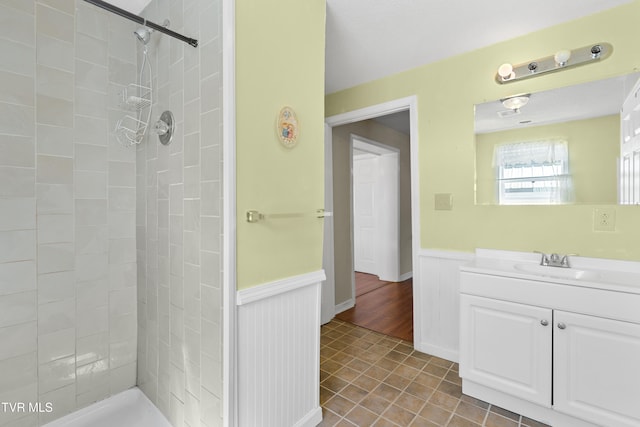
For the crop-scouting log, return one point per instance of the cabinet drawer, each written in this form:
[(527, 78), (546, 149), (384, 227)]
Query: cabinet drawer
[(592, 301)]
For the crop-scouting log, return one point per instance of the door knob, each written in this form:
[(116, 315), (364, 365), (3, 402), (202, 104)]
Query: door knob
[(544, 322), (561, 325)]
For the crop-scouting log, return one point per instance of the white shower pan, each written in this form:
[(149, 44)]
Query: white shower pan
[(130, 408)]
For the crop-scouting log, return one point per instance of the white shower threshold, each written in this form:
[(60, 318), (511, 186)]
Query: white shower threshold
[(130, 408)]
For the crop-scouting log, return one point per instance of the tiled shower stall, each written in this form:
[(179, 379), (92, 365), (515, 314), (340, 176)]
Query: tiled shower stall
[(109, 255)]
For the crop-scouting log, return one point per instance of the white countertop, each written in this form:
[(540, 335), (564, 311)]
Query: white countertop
[(612, 275)]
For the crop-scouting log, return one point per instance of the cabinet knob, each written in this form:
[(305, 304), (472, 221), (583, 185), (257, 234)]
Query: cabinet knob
[(544, 322), (561, 325)]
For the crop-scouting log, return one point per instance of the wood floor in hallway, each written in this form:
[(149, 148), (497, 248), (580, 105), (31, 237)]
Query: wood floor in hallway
[(385, 307)]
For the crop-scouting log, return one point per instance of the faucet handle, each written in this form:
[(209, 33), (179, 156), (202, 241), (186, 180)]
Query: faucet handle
[(565, 260), (545, 258)]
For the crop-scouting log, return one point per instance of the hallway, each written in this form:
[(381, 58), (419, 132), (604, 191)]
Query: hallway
[(385, 307)]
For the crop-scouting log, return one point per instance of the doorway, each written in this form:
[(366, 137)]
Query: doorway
[(339, 291)]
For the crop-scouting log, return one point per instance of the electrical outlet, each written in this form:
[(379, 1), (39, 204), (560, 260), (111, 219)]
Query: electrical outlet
[(604, 219)]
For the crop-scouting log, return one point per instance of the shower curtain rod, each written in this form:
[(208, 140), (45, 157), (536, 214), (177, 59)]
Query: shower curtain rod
[(140, 20)]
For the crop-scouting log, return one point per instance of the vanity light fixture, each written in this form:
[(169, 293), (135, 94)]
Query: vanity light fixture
[(515, 102), (561, 60)]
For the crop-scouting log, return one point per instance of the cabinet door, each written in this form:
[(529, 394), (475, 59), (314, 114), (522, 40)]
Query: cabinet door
[(507, 346), (597, 369)]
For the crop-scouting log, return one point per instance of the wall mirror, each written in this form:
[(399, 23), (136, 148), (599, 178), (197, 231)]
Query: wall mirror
[(560, 146)]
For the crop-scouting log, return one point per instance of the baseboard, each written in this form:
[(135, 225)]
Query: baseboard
[(346, 305), (312, 419), (405, 276), (435, 350)]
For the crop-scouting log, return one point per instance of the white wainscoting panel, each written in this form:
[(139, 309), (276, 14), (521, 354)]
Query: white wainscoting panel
[(438, 303), (279, 353)]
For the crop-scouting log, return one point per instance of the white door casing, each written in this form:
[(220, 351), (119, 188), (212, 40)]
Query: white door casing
[(409, 103), (328, 301)]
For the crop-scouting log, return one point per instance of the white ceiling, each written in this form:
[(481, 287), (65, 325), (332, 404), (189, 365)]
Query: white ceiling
[(370, 39)]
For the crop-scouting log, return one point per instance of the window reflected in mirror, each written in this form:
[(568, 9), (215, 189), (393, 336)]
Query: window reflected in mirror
[(582, 123)]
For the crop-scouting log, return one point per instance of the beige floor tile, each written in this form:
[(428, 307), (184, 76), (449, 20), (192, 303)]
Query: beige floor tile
[(368, 379), (495, 420), (471, 412), (399, 415), (435, 414)]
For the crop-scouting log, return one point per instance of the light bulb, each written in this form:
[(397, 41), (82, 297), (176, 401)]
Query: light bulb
[(562, 56), (506, 71), (515, 102)]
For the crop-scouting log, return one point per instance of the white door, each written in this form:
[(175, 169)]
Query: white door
[(506, 346), (597, 369), (364, 211)]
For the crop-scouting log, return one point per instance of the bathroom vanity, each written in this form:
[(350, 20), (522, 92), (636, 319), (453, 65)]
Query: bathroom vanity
[(559, 345)]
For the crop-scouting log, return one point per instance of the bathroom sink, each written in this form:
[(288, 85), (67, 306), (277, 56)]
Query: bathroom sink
[(558, 272)]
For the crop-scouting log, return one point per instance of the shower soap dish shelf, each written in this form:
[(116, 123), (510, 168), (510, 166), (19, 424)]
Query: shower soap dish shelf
[(135, 97), (130, 131)]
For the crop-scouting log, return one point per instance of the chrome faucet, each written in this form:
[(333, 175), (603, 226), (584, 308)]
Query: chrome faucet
[(555, 260)]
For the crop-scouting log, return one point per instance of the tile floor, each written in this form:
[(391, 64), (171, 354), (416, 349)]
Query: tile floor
[(369, 379)]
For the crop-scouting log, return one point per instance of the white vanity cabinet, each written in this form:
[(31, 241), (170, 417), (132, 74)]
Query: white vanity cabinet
[(507, 346), (562, 354)]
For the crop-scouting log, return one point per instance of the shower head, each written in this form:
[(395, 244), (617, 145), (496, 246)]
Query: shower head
[(143, 34)]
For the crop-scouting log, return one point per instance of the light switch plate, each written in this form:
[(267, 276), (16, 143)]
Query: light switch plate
[(443, 201)]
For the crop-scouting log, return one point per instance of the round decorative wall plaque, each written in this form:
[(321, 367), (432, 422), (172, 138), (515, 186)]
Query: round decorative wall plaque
[(287, 127)]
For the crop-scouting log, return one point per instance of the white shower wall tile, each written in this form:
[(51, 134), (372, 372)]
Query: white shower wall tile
[(54, 287), (18, 89), (92, 21), (91, 348), (61, 226), (54, 83), (92, 294), (93, 321), (91, 130), (17, 57), (92, 239), (19, 245), (170, 188), (55, 228), (55, 140), (91, 49), (17, 151), (17, 277), (18, 340), (56, 345), (56, 316), (62, 399), (16, 119), (18, 25), (17, 214), (56, 374), (18, 308), (18, 373)]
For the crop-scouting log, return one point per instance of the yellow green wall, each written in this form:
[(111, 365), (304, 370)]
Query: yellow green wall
[(279, 62), (447, 92), (594, 147)]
